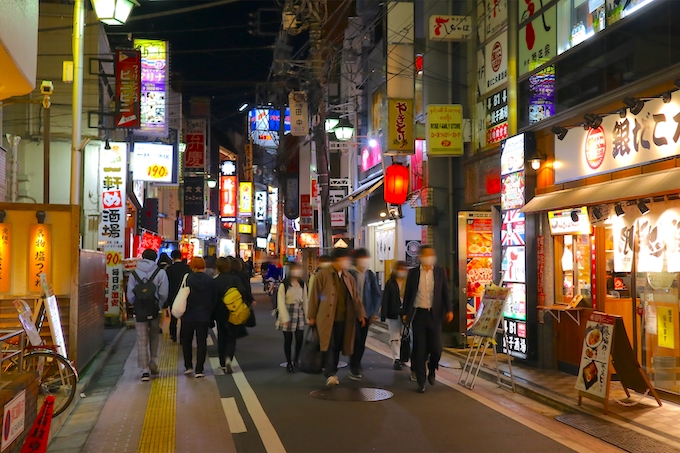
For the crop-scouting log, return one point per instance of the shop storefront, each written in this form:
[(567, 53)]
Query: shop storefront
[(608, 207)]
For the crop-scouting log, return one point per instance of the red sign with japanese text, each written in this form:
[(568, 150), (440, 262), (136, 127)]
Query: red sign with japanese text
[(194, 156), (151, 241), (128, 88), (228, 198), (306, 213)]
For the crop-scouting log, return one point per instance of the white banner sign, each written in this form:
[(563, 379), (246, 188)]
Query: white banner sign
[(620, 143), (538, 41), (450, 28), (299, 113), (496, 62), (152, 162)]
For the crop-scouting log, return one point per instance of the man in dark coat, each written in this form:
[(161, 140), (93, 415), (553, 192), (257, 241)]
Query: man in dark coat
[(176, 272), (426, 305)]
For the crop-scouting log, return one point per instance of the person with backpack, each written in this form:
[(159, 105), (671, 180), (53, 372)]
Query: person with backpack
[(147, 291), (197, 318), (227, 333), (291, 307), (371, 296), (176, 272)]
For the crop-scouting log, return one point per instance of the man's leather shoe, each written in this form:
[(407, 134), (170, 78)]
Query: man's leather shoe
[(421, 388), (431, 378)]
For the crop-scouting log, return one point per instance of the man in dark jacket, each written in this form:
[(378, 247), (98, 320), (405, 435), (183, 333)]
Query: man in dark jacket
[(148, 318), (176, 272), (369, 289), (427, 304)]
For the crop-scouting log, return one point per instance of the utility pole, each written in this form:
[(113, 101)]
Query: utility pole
[(77, 106), (319, 132)]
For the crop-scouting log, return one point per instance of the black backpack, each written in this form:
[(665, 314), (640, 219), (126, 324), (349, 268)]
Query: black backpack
[(146, 306)]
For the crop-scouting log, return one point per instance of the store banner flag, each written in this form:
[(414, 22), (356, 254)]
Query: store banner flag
[(597, 345), (128, 88), (623, 229), (445, 130), (299, 113), (194, 196), (400, 119), (113, 173), (154, 121), (196, 140)]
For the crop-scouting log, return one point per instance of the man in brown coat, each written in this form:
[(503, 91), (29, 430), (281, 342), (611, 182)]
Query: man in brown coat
[(334, 304)]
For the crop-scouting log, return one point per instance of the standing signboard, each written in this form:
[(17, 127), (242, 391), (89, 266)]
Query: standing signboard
[(476, 246), (128, 88), (52, 310), (113, 183), (14, 419)]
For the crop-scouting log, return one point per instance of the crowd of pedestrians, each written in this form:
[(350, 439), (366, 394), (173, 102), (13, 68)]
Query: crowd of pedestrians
[(340, 300)]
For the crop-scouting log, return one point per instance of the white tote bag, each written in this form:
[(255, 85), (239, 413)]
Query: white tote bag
[(179, 306)]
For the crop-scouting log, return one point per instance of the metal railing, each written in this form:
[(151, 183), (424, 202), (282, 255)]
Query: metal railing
[(6, 347)]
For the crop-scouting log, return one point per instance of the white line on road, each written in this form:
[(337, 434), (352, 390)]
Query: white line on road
[(236, 423), (215, 365), (270, 438)]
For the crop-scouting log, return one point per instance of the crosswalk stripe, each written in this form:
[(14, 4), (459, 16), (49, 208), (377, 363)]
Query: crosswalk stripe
[(270, 438), (236, 423)]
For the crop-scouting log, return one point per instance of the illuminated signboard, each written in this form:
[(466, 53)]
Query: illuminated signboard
[(245, 228), (260, 205), (154, 79), (194, 155), (152, 162), (207, 228), (39, 255), (228, 198), (562, 222), (265, 126), (128, 88), (245, 199), (542, 95), (5, 257)]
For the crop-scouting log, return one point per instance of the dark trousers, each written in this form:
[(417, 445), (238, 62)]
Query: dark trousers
[(187, 336), (359, 348), (288, 344), (427, 341), (332, 356), (226, 342), (173, 327)]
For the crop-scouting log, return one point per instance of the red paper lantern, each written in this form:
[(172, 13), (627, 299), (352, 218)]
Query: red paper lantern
[(396, 184)]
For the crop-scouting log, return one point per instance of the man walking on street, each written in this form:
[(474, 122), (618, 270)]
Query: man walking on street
[(426, 305), (176, 272), (147, 291), (334, 308), (371, 296)]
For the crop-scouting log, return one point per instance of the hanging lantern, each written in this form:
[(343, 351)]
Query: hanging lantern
[(396, 184)]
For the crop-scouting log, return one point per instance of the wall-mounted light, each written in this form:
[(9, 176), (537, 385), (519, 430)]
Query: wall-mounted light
[(642, 207), (373, 143), (212, 183), (592, 120), (623, 113), (666, 97), (560, 131), (634, 104), (618, 209), (537, 159), (40, 215)]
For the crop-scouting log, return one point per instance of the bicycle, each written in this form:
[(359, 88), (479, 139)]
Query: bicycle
[(55, 374)]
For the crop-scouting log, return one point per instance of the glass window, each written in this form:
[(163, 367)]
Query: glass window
[(578, 20), (575, 267)]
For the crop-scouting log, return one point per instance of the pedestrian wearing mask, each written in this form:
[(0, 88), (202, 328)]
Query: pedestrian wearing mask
[(367, 285), (392, 301), (426, 305), (324, 262), (291, 303), (334, 307)]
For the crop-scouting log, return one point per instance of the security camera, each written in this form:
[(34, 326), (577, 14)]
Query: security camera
[(46, 88)]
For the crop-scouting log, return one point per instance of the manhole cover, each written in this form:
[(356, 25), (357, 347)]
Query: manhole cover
[(352, 394), (340, 364)]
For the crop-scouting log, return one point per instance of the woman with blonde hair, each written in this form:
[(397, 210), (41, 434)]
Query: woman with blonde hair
[(197, 318)]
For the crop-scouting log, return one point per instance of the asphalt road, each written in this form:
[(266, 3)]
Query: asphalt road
[(442, 419)]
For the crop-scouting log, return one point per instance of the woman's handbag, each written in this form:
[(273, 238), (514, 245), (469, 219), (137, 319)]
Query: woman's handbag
[(311, 357), (251, 322), (179, 305), (405, 351)]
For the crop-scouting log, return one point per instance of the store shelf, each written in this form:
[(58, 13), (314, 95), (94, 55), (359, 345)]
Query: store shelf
[(556, 312)]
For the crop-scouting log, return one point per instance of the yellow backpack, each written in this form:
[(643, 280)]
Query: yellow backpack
[(239, 312)]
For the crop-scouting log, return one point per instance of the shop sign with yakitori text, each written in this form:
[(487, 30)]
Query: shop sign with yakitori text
[(400, 127), (620, 143), (112, 183)]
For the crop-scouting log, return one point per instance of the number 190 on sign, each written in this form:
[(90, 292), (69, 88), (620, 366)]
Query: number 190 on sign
[(157, 171), (113, 258)]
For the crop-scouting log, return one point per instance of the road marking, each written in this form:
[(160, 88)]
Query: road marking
[(502, 410), (270, 438), (236, 423), (215, 365)]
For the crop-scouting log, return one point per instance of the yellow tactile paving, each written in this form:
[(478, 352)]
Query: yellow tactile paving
[(158, 432)]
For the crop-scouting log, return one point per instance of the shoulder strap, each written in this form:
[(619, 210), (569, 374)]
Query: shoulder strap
[(134, 274), (158, 269)]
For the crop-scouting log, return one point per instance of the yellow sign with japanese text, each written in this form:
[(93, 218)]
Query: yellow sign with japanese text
[(245, 228), (5, 257), (245, 199), (445, 130), (400, 126), (665, 318), (39, 255)]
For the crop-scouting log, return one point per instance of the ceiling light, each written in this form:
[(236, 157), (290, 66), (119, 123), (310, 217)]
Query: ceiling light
[(634, 104), (642, 207), (383, 214), (574, 216), (618, 209), (561, 132), (593, 121)]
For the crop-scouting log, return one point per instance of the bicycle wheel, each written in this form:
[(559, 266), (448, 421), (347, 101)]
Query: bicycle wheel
[(56, 377)]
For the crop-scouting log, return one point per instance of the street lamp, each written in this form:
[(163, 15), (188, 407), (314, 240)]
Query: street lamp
[(332, 121), (344, 130), (113, 12), (212, 183)]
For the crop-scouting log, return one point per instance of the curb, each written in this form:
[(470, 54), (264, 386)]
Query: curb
[(95, 369)]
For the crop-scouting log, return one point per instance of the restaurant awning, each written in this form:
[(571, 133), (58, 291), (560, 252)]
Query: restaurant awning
[(634, 187), (361, 192), (374, 206)]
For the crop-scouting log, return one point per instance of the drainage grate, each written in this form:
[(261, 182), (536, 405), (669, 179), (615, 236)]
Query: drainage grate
[(624, 438), (340, 364), (352, 394)]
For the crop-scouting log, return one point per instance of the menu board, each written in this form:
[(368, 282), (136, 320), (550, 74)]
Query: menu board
[(597, 345), (478, 246), (493, 301), (512, 191)]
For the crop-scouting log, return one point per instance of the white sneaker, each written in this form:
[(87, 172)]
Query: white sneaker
[(199, 375), (188, 371), (332, 381)]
